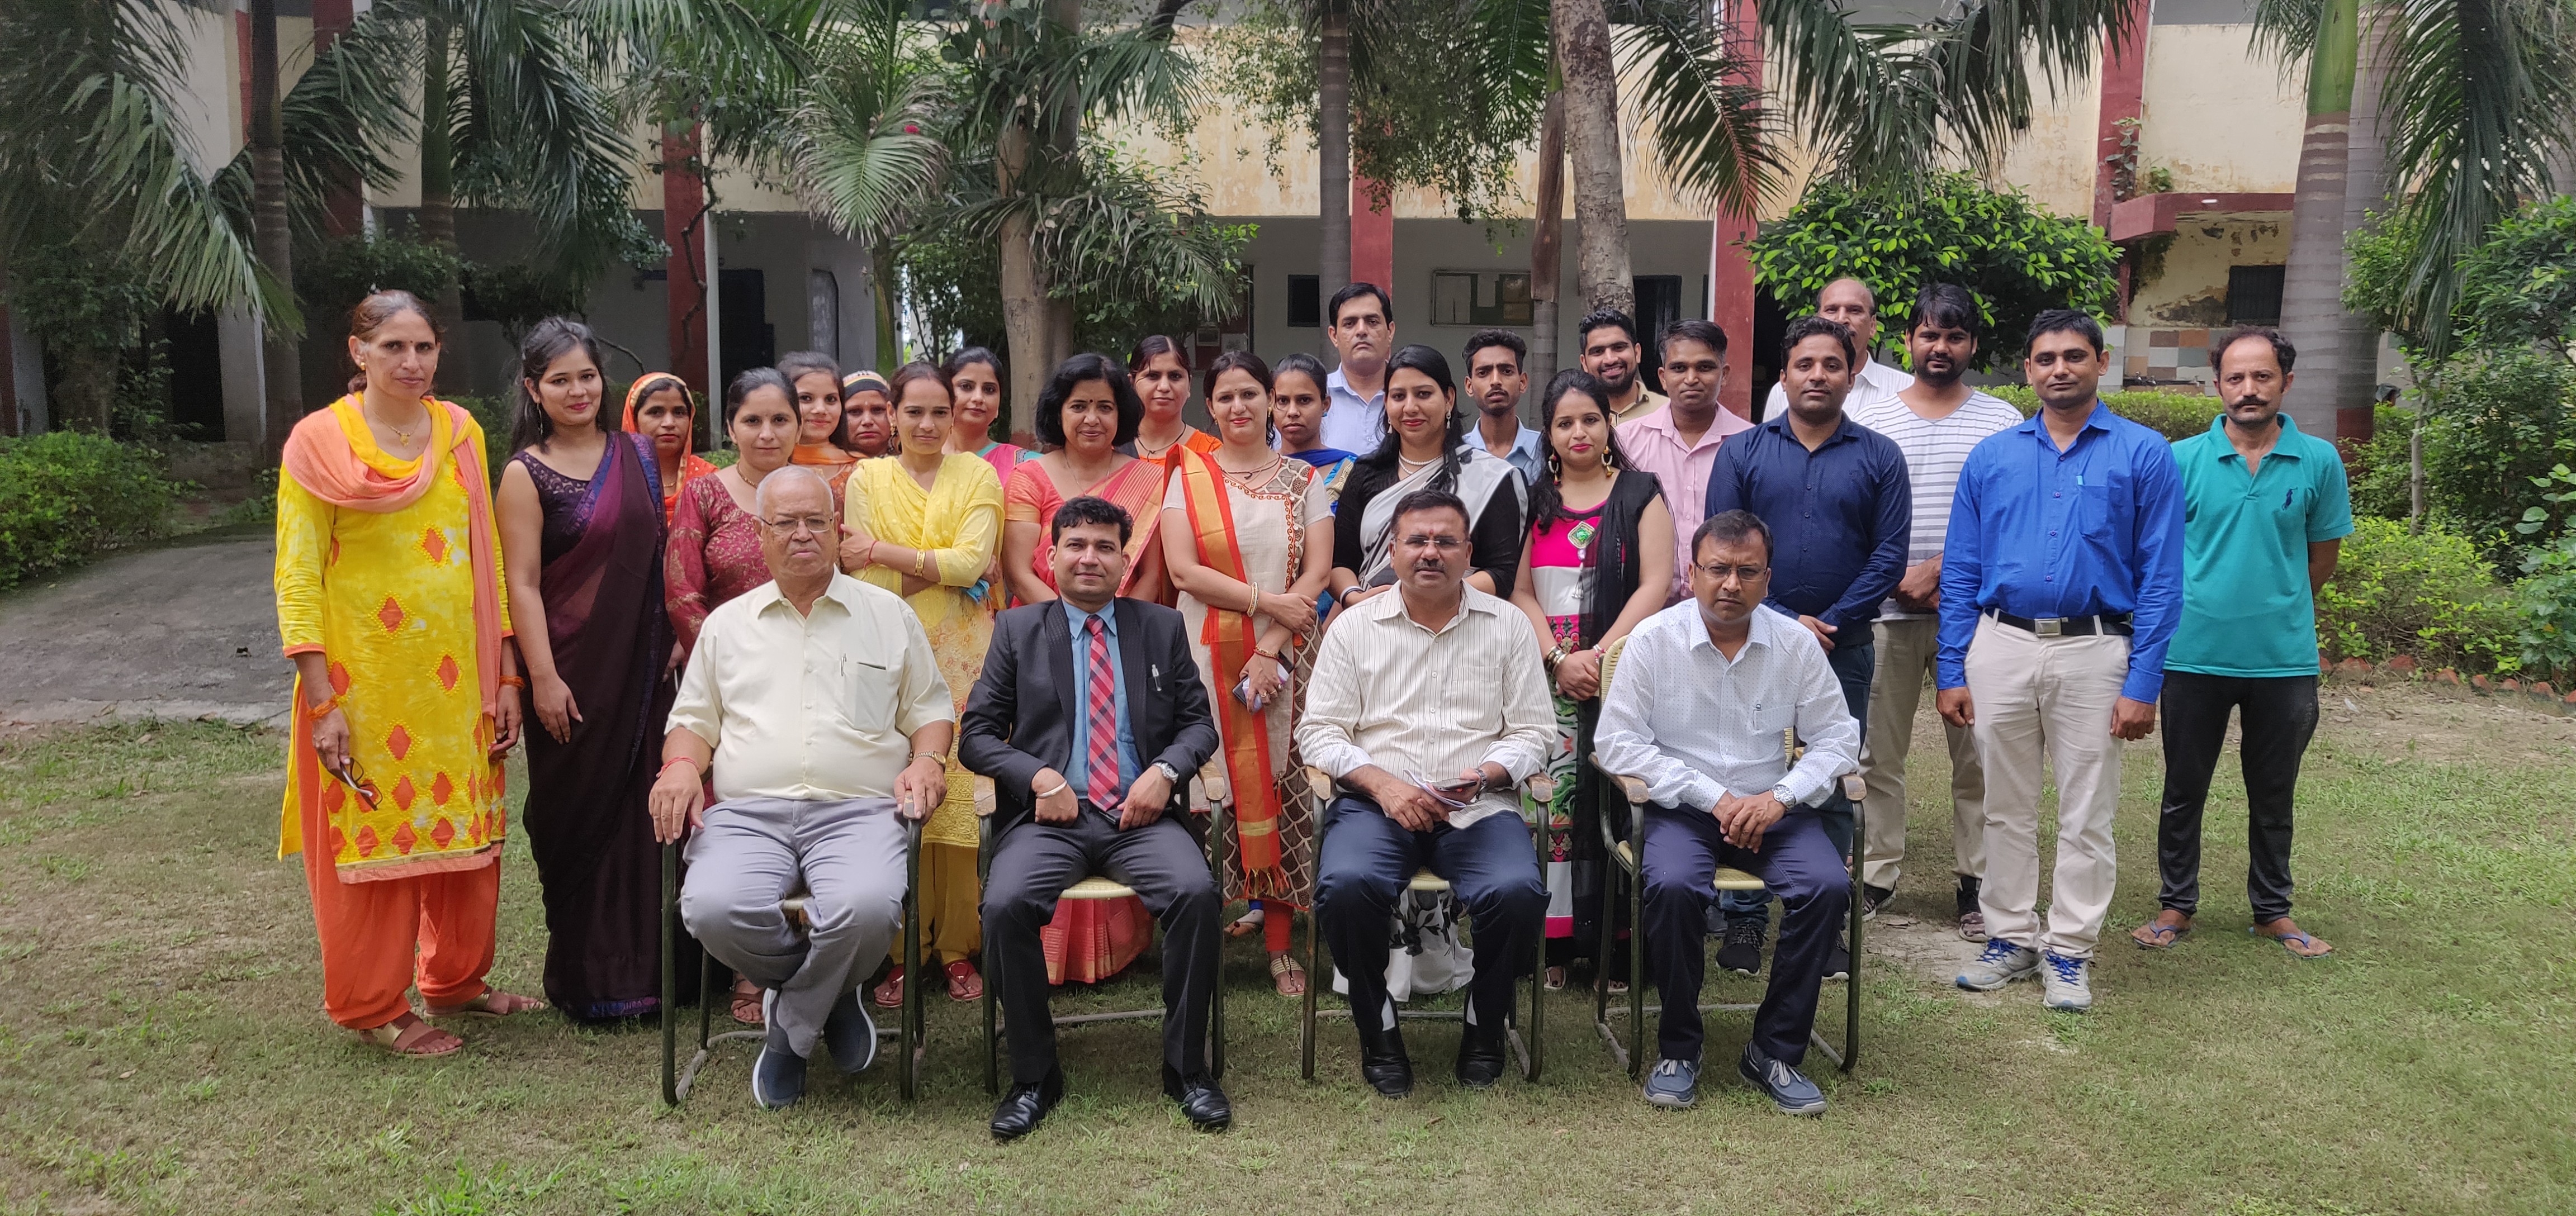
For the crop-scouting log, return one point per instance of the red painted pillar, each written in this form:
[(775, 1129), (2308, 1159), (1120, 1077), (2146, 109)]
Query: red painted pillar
[(1730, 267), (1372, 238), (2124, 90), (683, 207)]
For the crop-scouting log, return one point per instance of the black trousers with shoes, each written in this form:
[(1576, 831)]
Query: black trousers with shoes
[(2279, 715)]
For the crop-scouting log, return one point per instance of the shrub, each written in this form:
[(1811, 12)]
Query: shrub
[(2427, 595), (2496, 421), (68, 496), (2378, 470), (2547, 604), (2176, 416)]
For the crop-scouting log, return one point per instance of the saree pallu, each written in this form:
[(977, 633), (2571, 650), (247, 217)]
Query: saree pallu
[(592, 838), (1137, 488)]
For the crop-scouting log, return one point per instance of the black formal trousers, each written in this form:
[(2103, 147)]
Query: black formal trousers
[(1367, 861), (2280, 716), (1034, 861)]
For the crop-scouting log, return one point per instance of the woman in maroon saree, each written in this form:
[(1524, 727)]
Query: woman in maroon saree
[(596, 664)]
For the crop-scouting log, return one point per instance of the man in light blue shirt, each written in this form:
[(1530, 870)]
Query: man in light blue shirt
[(1496, 380), (1363, 332)]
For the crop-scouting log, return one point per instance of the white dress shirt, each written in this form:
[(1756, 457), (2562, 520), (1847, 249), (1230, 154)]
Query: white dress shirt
[(812, 707), (1353, 423), (1935, 450), (1876, 382), (1419, 703), (1693, 723)]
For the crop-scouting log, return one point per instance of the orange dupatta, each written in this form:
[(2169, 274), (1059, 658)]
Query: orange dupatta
[(692, 465), (320, 460), (1230, 640)]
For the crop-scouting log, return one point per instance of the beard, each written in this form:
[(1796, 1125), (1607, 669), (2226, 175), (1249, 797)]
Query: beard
[(1621, 383)]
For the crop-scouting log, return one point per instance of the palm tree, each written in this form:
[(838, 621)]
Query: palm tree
[(95, 161)]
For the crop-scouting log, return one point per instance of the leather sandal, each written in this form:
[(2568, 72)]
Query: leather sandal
[(419, 1039), (1284, 966), (889, 995), (492, 1003), (746, 1007), (964, 984)]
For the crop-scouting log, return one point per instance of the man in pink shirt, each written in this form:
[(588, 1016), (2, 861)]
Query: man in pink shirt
[(1678, 443)]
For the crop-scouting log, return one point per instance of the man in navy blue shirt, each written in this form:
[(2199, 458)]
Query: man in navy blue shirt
[(1841, 514), (2061, 584)]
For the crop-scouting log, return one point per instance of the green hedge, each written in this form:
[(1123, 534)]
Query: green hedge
[(2426, 595), (67, 496), (2176, 416)]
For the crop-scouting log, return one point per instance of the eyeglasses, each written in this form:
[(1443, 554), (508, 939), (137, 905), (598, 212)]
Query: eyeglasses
[(794, 524), (1442, 543), (1722, 572), (356, 779), (1705, 367)]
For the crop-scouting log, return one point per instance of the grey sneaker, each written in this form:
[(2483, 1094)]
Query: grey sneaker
[(2001, 964), (1788, 1088), (2067, 983), (1673, 1084)]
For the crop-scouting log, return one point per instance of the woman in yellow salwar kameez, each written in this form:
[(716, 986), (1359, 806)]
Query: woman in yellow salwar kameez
[(390, 602), (925, 523)]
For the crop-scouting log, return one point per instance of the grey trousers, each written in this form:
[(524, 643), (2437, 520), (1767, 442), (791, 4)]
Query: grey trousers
[(848, 856)]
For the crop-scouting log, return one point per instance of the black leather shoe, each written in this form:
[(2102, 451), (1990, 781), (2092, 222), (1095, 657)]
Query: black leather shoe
[(1025, 1105), (1383, 1063), (1480, 1057), (1202, 1101)]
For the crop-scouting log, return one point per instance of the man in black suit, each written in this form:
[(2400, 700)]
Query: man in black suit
[(1089, 717)]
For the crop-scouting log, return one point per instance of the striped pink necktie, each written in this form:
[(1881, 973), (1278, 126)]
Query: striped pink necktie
[(1102, 756)]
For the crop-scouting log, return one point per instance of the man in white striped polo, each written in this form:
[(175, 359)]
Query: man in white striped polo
[(1935, 420)]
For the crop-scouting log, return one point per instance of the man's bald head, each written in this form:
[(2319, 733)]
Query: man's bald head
[(1851, 302)]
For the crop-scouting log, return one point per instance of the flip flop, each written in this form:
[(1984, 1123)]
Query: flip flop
[(1247, 924), (2293, 936), (2153, 936), (493, 1003), (420, 1040), (963, 983)]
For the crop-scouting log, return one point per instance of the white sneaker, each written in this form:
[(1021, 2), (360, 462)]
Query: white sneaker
[(2001, 964), (2066, 983)]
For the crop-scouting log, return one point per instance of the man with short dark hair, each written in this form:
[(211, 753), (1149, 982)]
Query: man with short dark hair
[(2061, 583), (1678, 443), (1362, 321), (1703, 691), (1428, 708), (2266, 511), (1090, 719), (1609, 347), (1835, 496), (1936, 421), (1851, 302), (1496, 381)]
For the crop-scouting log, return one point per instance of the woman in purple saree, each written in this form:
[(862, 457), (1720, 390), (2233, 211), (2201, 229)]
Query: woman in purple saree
[(582, 538)]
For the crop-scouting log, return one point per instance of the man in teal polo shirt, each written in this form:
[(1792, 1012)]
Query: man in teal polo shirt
[(2265, 511)]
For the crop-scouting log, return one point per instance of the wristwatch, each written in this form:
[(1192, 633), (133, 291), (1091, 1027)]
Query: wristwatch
[(1787, 801), (1170, 774)]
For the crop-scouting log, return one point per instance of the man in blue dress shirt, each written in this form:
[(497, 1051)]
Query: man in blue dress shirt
[(1841, 510), (2061, 584)]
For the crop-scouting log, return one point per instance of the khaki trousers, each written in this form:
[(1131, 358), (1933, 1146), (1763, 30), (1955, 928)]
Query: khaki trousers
[(1908, 651), (2047, 697)]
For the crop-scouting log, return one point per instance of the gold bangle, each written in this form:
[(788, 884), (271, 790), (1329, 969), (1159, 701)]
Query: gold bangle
[(921, 563), (1253, 607)]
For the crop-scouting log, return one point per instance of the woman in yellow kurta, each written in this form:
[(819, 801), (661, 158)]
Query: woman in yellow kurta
[(390, 601), (925, 523)]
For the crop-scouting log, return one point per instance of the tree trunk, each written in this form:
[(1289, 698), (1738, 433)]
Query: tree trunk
[(84, 394), (1024, 310), (881, 276), (2365, 188), (1547, 244), (1592, 136), (2312, 313), (438, 184), (1333, 146), (282, 375)]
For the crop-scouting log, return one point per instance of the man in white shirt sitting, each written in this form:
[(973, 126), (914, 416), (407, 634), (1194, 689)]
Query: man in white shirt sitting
[(818, 701), (1429, 707), (1696, 710)]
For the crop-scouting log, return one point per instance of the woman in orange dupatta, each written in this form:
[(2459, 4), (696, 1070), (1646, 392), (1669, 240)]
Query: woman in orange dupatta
[(1087, 410), (390, 601), (816, 380), (658, 407), (1162, 379), (1242, 537)]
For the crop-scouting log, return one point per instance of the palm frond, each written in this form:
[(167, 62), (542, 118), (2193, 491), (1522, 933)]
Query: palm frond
[(337, 119), (1714, 140), (864, 161), (535, 132), (1106, 228), (2288, 30)]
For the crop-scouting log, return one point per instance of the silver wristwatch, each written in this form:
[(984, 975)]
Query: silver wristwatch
[(1170, 774), (1788, 802)]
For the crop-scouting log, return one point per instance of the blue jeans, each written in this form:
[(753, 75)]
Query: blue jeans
[(1853, 665)]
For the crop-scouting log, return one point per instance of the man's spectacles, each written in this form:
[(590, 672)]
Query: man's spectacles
[(1705, 367), (356, 779), (1442, 543), (1722, 572), (793, 524)]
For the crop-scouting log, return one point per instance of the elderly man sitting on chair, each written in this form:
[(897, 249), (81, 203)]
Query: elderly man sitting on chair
[(1430, 705), (821, 706), (1702, 695)]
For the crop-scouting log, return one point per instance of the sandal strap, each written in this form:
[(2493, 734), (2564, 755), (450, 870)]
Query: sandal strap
[(1282, 964)]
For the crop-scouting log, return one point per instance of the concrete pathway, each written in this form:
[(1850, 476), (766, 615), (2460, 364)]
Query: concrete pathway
[(185, 631)]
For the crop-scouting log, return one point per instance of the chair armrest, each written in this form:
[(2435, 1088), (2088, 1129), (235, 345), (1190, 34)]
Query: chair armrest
[(1633, 788), (1541, 787), (1854, 788)]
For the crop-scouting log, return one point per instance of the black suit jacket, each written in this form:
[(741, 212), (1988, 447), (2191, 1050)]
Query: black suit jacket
[(1020, 717)]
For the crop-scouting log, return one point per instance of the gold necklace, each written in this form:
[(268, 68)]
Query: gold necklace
[(1253, 477)]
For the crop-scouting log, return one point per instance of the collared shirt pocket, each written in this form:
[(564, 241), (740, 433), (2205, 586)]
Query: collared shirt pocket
[(866, 690)]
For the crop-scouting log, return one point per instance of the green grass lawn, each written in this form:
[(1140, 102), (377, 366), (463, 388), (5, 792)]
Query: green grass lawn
[(162, 1048)]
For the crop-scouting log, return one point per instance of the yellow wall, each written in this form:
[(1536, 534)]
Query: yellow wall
[(2218, 116), (2191, 289)]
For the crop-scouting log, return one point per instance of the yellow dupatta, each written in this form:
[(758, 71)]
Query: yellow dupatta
[(1229, 637)]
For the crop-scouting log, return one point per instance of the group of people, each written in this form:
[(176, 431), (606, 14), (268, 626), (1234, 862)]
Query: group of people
[(882, 611)]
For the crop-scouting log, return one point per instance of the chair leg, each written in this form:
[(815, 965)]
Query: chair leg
[(1637, 948), (992, 964), (908, 1037), (670, 976), (1314, 978)]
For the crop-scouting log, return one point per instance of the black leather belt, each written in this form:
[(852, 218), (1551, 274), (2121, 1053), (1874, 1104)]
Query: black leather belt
[(2068, 626)]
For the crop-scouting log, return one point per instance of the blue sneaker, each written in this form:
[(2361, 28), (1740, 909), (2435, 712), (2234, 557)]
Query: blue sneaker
[(1673, 1084), (778, 1075), (1788, 1088), (2068, 983), (2001, 964), (851, 1034)]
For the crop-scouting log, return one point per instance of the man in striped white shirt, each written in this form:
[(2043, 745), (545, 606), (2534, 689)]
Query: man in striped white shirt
[(1935, 421)]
